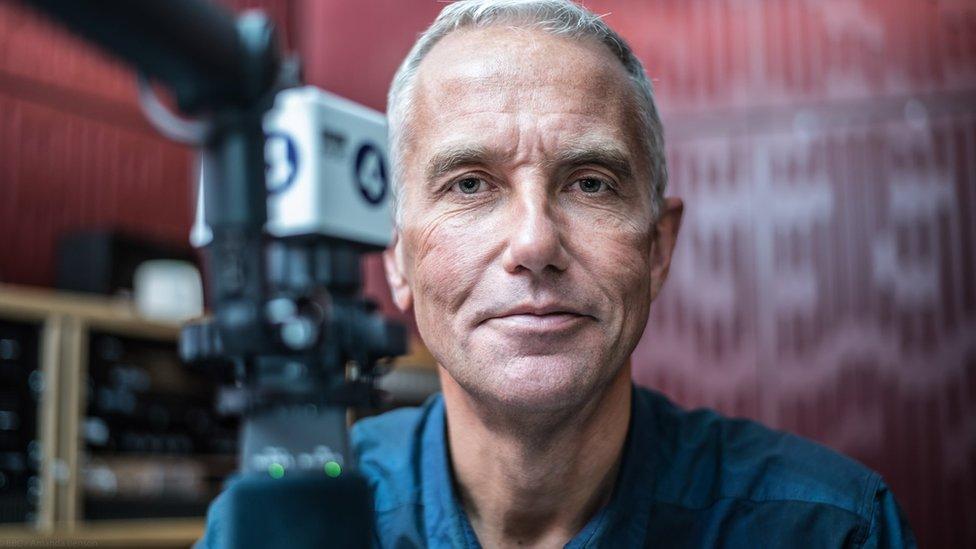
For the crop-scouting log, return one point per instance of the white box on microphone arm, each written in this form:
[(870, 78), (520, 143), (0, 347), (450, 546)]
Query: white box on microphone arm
[(327, 171)]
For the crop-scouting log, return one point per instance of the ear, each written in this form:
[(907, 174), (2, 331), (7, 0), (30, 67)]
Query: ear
[(662, 247), (396, 273)]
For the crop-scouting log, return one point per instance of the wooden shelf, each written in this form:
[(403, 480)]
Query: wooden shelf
[(66, 321), (155, 533), (115, 314)]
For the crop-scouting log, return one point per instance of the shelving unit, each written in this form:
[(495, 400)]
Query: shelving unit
[(66, 324)]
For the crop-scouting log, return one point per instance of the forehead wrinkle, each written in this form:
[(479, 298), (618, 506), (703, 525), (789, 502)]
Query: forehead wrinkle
[(497, 69), (524, 61), (450, 95)]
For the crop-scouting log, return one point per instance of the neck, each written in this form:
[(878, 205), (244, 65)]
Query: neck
[(538, 480)]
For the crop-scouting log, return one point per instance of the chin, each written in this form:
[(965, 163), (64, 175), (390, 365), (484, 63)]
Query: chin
[(538, 383)]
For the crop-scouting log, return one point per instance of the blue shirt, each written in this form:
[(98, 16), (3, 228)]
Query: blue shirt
[(687, 479)]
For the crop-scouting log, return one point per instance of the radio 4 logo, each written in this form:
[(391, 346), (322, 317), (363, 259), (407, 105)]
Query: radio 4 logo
[(370, 174), (280, 162)]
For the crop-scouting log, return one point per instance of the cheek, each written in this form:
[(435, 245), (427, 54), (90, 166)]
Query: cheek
[(619, 246), (450, 255), (615, 252)]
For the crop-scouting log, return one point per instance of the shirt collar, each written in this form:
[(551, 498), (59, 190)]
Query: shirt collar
[(622, 522), (444, 520)]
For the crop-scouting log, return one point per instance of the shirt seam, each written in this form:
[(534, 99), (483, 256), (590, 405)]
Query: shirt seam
[(870, 488)]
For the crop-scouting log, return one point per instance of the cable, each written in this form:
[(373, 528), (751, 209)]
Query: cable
[(190, 132)]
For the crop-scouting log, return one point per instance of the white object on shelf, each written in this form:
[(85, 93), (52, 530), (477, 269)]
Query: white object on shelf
[(168, 290)]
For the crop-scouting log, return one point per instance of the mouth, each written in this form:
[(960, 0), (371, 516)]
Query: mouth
[(549, 322), (539, 319)]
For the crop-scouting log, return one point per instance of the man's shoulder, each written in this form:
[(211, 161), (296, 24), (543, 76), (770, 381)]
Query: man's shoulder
[(387, 449), (735, 458)]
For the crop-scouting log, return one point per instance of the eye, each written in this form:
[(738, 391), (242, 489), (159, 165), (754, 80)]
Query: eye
[(469, 185), (592, 185)]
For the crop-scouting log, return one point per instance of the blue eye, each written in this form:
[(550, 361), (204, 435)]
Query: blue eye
[(469, 185), (591, 185)]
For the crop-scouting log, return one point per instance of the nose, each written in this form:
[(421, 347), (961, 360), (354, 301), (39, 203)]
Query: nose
[(535, 241)]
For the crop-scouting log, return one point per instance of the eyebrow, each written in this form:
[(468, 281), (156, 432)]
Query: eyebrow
[(606, 155), (452, 158)]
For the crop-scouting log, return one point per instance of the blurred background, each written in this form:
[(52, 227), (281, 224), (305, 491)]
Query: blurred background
[(824, 281)]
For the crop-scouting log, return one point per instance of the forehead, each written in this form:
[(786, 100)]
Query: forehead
[(484, 83)]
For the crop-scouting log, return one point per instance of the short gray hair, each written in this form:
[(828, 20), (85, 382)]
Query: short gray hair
[(557, 17)]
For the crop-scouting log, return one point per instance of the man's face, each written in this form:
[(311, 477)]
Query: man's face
[(527, 247)]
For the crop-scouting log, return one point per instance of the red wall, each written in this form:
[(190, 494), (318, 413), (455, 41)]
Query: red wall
[(825, 278), (76, 151)]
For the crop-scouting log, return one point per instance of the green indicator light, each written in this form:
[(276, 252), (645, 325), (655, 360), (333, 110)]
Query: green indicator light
[(333, 469), (276, 470)]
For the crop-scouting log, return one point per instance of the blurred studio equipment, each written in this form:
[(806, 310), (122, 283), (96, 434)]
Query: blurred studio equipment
[(100, 261), (294, 188)]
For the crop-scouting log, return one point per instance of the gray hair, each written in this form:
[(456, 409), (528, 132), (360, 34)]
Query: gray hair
[(557, 17)]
